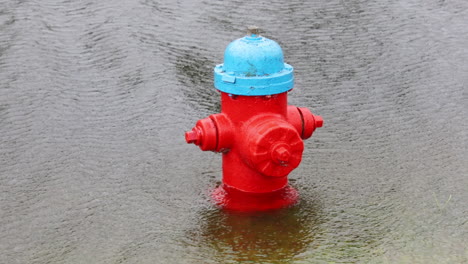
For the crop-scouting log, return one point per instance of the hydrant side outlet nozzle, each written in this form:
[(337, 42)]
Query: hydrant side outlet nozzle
[(212, 133), (260, 136)]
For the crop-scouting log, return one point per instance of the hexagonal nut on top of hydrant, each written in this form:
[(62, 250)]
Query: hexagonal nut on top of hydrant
[(259, 135)]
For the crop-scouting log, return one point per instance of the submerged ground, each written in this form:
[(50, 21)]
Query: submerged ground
[(95, 97)]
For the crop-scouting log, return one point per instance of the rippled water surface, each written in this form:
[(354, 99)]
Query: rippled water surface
[(95, 97)]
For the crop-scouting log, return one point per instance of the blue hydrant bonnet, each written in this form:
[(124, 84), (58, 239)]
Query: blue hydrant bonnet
[(253, 65)]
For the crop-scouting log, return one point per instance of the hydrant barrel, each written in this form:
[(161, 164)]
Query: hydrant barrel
[(260, 136)]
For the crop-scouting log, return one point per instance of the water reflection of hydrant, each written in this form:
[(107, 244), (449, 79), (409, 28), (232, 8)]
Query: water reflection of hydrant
[(260, 136)]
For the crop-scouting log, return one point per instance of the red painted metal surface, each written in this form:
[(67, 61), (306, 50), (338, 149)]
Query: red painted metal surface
[(261, 139)]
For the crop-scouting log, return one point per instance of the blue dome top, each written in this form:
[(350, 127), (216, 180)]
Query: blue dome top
[(253, 56), (253, 65)]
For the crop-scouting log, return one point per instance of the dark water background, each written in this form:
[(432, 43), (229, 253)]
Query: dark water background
[(95, 97)]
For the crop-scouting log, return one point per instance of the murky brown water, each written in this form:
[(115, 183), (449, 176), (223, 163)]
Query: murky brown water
[(95, 97)]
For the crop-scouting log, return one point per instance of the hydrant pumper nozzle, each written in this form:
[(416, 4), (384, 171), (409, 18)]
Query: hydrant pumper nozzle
[(260, 136)]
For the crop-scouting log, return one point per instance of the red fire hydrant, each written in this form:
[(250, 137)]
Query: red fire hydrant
[(260, 136)]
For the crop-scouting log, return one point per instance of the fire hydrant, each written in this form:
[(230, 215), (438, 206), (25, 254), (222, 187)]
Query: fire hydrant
[(259, 135)]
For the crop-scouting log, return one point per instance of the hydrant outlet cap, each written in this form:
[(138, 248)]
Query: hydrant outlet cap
[(253, 65)]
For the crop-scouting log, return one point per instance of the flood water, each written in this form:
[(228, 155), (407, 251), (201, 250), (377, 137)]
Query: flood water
[(95, 97)]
